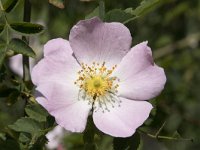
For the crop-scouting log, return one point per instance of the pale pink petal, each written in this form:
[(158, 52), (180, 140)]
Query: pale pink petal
[(139, 77), (93, 40), (57, 65), (57, 95), (72, 117), (124, 120), (54, 77), (63, 103), (57, 48)]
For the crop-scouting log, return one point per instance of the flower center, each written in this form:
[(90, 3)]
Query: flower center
[(97, 85)]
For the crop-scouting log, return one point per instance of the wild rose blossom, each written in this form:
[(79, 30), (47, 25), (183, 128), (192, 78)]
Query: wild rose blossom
[(96, 72)]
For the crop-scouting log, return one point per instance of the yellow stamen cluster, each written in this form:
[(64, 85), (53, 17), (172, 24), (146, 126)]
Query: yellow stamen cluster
[(96, 80)]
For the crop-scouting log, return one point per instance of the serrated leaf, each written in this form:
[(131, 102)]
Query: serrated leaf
[(9, 5), (94, 13), (20, 47), (117, 15), (2, 53), (36, 112), (145, 6), (57, 3), (27, 125), (130, 143), (1, 27), (26, 28), (129, 14)]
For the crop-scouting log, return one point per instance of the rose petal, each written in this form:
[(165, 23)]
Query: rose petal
[(72, 117), (57, 65), (124, 120), (54, 77), (139, 77), (57, 48), (93, 40)]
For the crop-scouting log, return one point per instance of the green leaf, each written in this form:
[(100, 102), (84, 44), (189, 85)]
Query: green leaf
[(94, 13), (57, 3), (19, 46), (9, 5), (36, 112), (24, 137), (130, 143), (1, 27), (145, 6), (26, 28), (117, 15), (2, 53), (2, 136), (129, 14), (27, 125)]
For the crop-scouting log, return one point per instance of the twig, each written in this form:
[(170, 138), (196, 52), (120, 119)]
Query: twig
[(187, 41), (27, 18)]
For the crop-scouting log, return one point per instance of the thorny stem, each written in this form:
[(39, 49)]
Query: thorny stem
[(165, 137), (157, 136), (27, 18), (158, 132)]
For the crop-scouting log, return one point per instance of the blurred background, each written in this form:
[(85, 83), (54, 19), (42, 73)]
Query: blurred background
[(173, 32)]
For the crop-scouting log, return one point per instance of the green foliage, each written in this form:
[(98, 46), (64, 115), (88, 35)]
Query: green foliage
[(10, 145), (20, 47), (2, 136), (1, 27), (25, 28), (130, 143), (27, 125), (36, 112), (130, 14), (2, 53), (173, 34), (13, 97), (94, 13), (118, 15), (9, 5), (88, 136), (145, 6)]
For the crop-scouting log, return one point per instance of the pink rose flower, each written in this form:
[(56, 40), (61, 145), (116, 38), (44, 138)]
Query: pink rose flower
[(96, 72)]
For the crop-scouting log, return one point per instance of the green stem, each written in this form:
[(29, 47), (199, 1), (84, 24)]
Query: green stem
[(6, 23), (101, 9), (88, 135), (131, 19), (165, 137), (27, 18), (1, 6)]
